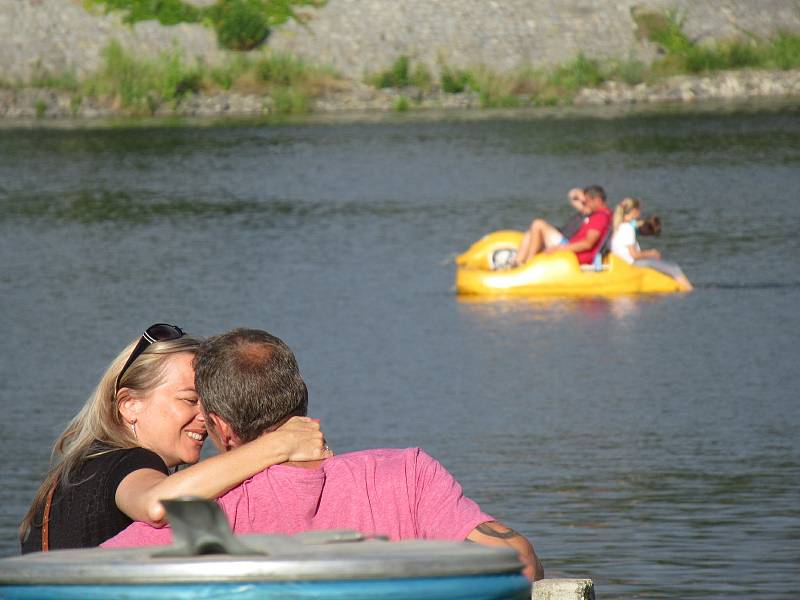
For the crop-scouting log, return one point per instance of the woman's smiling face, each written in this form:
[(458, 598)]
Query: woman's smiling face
[(168, 418)]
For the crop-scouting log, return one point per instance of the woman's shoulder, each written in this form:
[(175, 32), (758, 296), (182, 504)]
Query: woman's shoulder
[(624, 229), (102, 453)]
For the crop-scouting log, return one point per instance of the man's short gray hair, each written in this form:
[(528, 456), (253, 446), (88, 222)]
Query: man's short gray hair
[(595, 191), (250, 378)]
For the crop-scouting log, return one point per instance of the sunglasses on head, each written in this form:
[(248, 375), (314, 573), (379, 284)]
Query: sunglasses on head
[(160, 332)]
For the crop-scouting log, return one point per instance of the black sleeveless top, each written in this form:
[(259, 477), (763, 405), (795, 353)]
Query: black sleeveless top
[(84, 513)]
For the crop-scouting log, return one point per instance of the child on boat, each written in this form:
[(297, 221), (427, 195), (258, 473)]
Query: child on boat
[(625, 245)]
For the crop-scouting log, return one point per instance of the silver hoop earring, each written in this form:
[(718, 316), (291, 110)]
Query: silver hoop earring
[(133, 429)]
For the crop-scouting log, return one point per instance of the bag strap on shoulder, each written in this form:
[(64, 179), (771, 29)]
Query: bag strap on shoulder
[(46, 518)]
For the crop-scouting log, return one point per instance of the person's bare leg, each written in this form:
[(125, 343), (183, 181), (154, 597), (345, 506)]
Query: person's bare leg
[(538, 228), (529, 246), (524, 245), (531, 243), (535, 240)]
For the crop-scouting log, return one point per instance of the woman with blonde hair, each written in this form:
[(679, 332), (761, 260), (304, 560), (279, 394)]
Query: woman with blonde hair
[(623, 241), (112, 463), (624, 244)]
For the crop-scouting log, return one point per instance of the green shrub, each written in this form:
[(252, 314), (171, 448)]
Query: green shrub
[(41, 108), (144, 84), (420, 77), (227, 74), (685, 56), (64, 81), (396, 76), (580, 73), (740, 54), (244, 24), (401, 74), (240, 24), (282, 69), (665, 29), (124, 77), (280, 11), (402, 104), (527, 85), (735, 54), (223, 77), (454, 81), (167, 12), (494, 90), (701, 58), (491, 99), (177, 80), (75, 103), (290, 101), (784, 51), (631, 71)]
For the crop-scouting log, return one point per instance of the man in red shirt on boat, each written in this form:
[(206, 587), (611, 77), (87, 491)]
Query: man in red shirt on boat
[(249, 384), (585, 243)]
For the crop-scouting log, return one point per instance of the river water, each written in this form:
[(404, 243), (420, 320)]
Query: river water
[(649, 443)]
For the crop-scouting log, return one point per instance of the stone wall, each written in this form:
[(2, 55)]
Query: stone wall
[(359, 36), (56, 36)]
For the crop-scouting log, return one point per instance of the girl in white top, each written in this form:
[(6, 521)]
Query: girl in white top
[(625, 245)]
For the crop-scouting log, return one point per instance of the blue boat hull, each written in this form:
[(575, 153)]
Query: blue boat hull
[(494, 587)]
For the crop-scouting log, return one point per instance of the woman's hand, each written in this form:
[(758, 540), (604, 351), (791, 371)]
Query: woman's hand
[(302, 439)]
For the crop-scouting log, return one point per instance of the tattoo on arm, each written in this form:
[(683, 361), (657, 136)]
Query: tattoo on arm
[(487, 529)]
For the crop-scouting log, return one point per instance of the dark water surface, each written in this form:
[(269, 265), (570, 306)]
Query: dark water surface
[(650, 443)]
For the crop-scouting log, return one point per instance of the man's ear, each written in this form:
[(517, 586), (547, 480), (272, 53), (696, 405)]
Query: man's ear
[(222, 430), (128, 405)]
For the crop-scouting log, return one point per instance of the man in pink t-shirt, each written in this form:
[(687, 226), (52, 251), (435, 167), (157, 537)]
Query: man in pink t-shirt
[(585, 243), (249, 384)]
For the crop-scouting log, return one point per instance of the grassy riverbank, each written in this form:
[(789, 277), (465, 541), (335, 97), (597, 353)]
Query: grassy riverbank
[(141, 86), (527, 86), (283, 84)]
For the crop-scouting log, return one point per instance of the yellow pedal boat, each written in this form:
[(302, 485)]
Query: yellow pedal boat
[(553, 274)]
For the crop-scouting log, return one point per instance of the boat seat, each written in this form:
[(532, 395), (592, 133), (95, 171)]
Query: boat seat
[(602, 251), (597, 265)]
